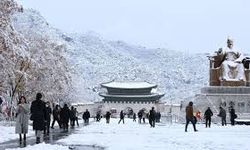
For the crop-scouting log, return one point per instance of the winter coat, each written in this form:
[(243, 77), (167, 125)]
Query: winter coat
[(189, 112), (86, 115), (48, 113), (232, 114), (22, 119), (38, 112), (222, 113), (152, 114), (65, 114), (108, 115), (72, 114), (134, 116), (139, 114), (1, 101), (208, 114), (121, 115), (56, 114)]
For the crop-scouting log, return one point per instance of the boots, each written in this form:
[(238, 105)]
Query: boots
[(24, 137), (20, 138), (37, 140)]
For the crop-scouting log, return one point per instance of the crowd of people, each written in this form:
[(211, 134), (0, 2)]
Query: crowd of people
[(190, 117), (40, 113)]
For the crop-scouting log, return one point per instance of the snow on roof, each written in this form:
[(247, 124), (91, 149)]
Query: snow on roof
[(132, 96), (175, 105), (129, 85), (82, 103)]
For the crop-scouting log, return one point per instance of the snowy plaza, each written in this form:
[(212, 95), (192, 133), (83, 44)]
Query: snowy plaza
[(124, 75), (134, 136)]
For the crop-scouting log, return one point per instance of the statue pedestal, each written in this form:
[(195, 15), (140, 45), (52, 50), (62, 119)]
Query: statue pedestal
[(247, 72), (225, 96), (233, 83)]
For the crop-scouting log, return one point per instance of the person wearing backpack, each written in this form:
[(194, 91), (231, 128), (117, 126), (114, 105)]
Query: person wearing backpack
[(223, 116), (207, 115), (233, 116)]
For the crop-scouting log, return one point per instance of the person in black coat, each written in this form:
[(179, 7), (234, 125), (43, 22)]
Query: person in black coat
[(121, 117), (38, 114), (233, 116), (56, 116), (107, 116), (223, 116), (98, 116), (134, 117), (207, 115), (86, 116), (151, 117), (64, 115), (72, 116), (158, 117), (47, 118), (139, 116)]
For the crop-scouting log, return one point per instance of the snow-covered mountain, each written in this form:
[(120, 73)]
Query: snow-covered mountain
[(94, 60)]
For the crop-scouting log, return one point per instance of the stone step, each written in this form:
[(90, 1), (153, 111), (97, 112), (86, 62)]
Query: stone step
[(225, 90)]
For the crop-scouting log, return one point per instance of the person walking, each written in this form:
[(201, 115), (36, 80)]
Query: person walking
[(76, 116), (198, 116), (134, 117), (38, 112), (139, 116), (86, 116), (72, 116), (22, 119), (56, 116), (121, 117), (233, 116), (158, 117), (151, 117), (47, 118), (223, 116), (144, 116), (98, 116), (207, 115), (64, 115), (107, 116), (190, 116)]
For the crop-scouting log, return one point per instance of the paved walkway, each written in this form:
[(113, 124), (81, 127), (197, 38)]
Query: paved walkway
[(55, 135)]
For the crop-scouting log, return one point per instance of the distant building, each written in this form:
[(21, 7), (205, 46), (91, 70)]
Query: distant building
[(129, 96)]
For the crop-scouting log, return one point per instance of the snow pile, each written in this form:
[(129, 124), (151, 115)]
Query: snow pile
[(134, 136), (94, 60)]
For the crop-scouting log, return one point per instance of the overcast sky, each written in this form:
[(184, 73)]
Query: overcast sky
[(186, 25)]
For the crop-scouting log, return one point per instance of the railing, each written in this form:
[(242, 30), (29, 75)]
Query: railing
[(169, 119)]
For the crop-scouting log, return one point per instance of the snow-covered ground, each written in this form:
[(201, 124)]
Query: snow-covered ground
[(7, 132), (134, 136), (43, 146)]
